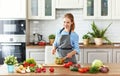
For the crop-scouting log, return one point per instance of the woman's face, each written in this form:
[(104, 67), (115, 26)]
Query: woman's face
[(67, 23)]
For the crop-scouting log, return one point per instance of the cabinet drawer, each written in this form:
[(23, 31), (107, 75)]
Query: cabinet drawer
[(37, 55)]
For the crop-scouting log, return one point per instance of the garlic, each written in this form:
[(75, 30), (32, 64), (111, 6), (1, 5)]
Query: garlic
[(23, 71), (28, 70)]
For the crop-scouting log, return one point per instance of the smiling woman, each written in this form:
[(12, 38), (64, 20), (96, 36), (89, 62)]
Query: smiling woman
[(66, 41)]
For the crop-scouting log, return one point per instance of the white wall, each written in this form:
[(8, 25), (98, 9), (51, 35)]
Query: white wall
[(46, 27)]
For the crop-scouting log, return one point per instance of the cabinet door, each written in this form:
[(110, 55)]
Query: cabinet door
[(115, 9), (49, 9), (33, 12), (104, 11), (97, 9), (37, 54), (90, 9), (105, 55), (116, 55), (41, 9), (69, 3), (80, 56), (12, 9)]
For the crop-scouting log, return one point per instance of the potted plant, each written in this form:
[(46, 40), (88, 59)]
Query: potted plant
[(10, 61), (99, 35), (51, 38), (86, 39)]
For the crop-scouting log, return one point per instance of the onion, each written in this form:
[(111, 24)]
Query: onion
[(104, 69)]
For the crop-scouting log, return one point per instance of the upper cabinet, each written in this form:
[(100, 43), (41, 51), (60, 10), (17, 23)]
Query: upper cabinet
[(115, 9), (69, 4), (97, 9), (41, 9), (12, 9)]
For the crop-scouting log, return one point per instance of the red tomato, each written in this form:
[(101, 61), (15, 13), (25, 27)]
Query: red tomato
[(43, 69), (66, 65), (82, 70), (32, 65), (25, 64), (38, 70), (51, 69), (70, 63)]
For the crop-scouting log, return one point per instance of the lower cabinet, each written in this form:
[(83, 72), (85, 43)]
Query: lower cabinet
[(116, 55), (80, 56), (105, 55), (86, 55), (37, 54)]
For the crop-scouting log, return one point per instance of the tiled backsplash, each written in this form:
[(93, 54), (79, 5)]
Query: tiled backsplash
[(46, 27)]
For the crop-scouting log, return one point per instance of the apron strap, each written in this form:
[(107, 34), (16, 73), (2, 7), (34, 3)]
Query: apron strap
[(63, 29)]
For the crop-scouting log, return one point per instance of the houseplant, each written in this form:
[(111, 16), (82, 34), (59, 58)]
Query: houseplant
[(86, 39), (51, 38), (10, 61), (99, 34)]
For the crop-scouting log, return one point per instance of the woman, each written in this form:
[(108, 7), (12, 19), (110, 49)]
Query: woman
[(66, 41)]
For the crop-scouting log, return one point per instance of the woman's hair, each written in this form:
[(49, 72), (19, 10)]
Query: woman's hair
[(71, 17)]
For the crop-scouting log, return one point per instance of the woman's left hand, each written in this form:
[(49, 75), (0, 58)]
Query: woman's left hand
[(69, 55)]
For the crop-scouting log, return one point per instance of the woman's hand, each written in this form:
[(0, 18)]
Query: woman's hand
[(53, 50), (69, 55)]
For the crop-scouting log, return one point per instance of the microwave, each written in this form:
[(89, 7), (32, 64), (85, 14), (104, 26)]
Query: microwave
[(12, 27)]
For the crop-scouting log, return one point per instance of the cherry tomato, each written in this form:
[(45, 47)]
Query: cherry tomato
[(51, 69), (70, 63), (43, 69), (83, 70), (25, 64), (66, 65), (32, 65)]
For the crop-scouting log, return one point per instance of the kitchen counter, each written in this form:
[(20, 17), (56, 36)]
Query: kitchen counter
[(34, 46), (114, 70), (116, 45)]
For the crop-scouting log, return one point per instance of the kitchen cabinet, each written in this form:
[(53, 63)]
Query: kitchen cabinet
[(12, 9), (97, 9), (37, 53), (80, 56), (41, 9), (103, 54), (69, 4), (115, 9), (116, 55)]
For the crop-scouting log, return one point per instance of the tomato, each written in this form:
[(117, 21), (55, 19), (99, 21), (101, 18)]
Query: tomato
[(66, 65), (83, 70), (51, 69), (25, 64), (43, 69), (38, 70), (70, 63), (32, 65)]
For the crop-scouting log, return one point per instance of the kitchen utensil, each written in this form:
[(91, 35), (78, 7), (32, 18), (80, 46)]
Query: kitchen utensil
[(64, 58), (36, 38), (42, 43)]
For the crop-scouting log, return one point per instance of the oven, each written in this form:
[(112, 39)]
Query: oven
[(16, 49), (12, 45)]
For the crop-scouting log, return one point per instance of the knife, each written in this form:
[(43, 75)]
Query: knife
[(64, 57)]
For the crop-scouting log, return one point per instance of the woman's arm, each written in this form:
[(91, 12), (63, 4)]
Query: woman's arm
[(75, 44), (55, 44)]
